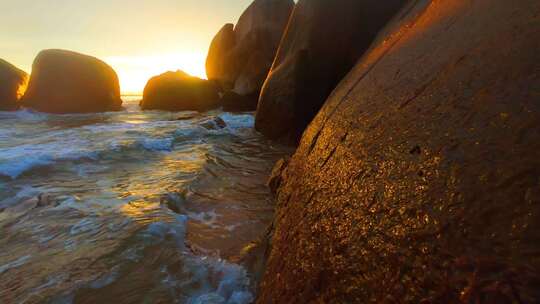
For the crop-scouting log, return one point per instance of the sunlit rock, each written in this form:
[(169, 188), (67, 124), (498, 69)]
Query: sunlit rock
[(68, 82), (419, 180), (178, 91), (240, 58), (12, 84), (323, 41), (222, 44)]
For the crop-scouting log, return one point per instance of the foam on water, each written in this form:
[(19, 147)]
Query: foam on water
[(93, 141), (109, 175), (17, 263), (232, 287)]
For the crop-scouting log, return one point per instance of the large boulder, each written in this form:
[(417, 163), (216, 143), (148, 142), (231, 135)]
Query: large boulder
[(12, 83), (221, 45), (322, 43), (239, 58), (68, 82), (419, 180), (178, 91)]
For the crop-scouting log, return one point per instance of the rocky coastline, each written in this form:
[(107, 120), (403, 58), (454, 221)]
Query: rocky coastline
[(416, 177)]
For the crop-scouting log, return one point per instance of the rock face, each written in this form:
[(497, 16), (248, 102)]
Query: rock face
[(240, 58), (322, 43), (12, 80), (419, 180), (221, 45), (68, 82), (178, 91), (230, 101)]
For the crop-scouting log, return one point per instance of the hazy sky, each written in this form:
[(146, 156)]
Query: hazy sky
[(139, 38)]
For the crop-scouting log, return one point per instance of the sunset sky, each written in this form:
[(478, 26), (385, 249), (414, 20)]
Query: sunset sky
[(139, 38)]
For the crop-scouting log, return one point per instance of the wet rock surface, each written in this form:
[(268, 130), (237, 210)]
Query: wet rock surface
[(418, 181), (276, 177), (12, 80), (178, 91), (68, 82), (214, 123), (323, 41)]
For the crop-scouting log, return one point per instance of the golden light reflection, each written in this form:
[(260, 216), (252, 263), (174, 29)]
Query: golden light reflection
[(139, 209), (22, 87), (186, 163), (135, 71)]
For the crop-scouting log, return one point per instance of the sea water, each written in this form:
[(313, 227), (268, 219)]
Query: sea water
[(135, 207)]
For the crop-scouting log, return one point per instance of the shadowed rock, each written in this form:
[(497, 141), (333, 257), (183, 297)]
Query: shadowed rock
[(12, 82), (240, 58), (233, 102), (419, 180), (68, 82), (178, 91), (323, 41)]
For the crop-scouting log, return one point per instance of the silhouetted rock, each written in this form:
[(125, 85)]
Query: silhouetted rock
[(419, 180), (221, 45), (12, 81), (240, 58), (323, 41), (68, 82), (233, 102), (178, 91)]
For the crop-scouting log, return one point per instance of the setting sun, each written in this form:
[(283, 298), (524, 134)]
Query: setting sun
[(134, 71)]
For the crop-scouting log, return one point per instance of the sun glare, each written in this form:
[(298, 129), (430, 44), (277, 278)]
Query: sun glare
[(135, 71)]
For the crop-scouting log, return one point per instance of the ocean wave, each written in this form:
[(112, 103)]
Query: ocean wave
[(14, 264), (92, 142), (232, 282), (17, 160), (157, 144), (24, 115)]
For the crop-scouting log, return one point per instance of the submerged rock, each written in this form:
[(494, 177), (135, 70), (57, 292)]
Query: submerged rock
[(239, 58), (175, 201), (178, 91), (323, 41), (41, 201), (68, 82), (12, 82), (419, 180), (214, 123)]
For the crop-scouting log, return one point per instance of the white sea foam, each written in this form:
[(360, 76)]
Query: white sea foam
[(218, 281), (157, 144), (85, 226), (232, 286), (238, 121), (16, 160), (14, 264)]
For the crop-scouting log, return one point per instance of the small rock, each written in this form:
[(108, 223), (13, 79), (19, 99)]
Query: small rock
[(215, 123), (174, 201)]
